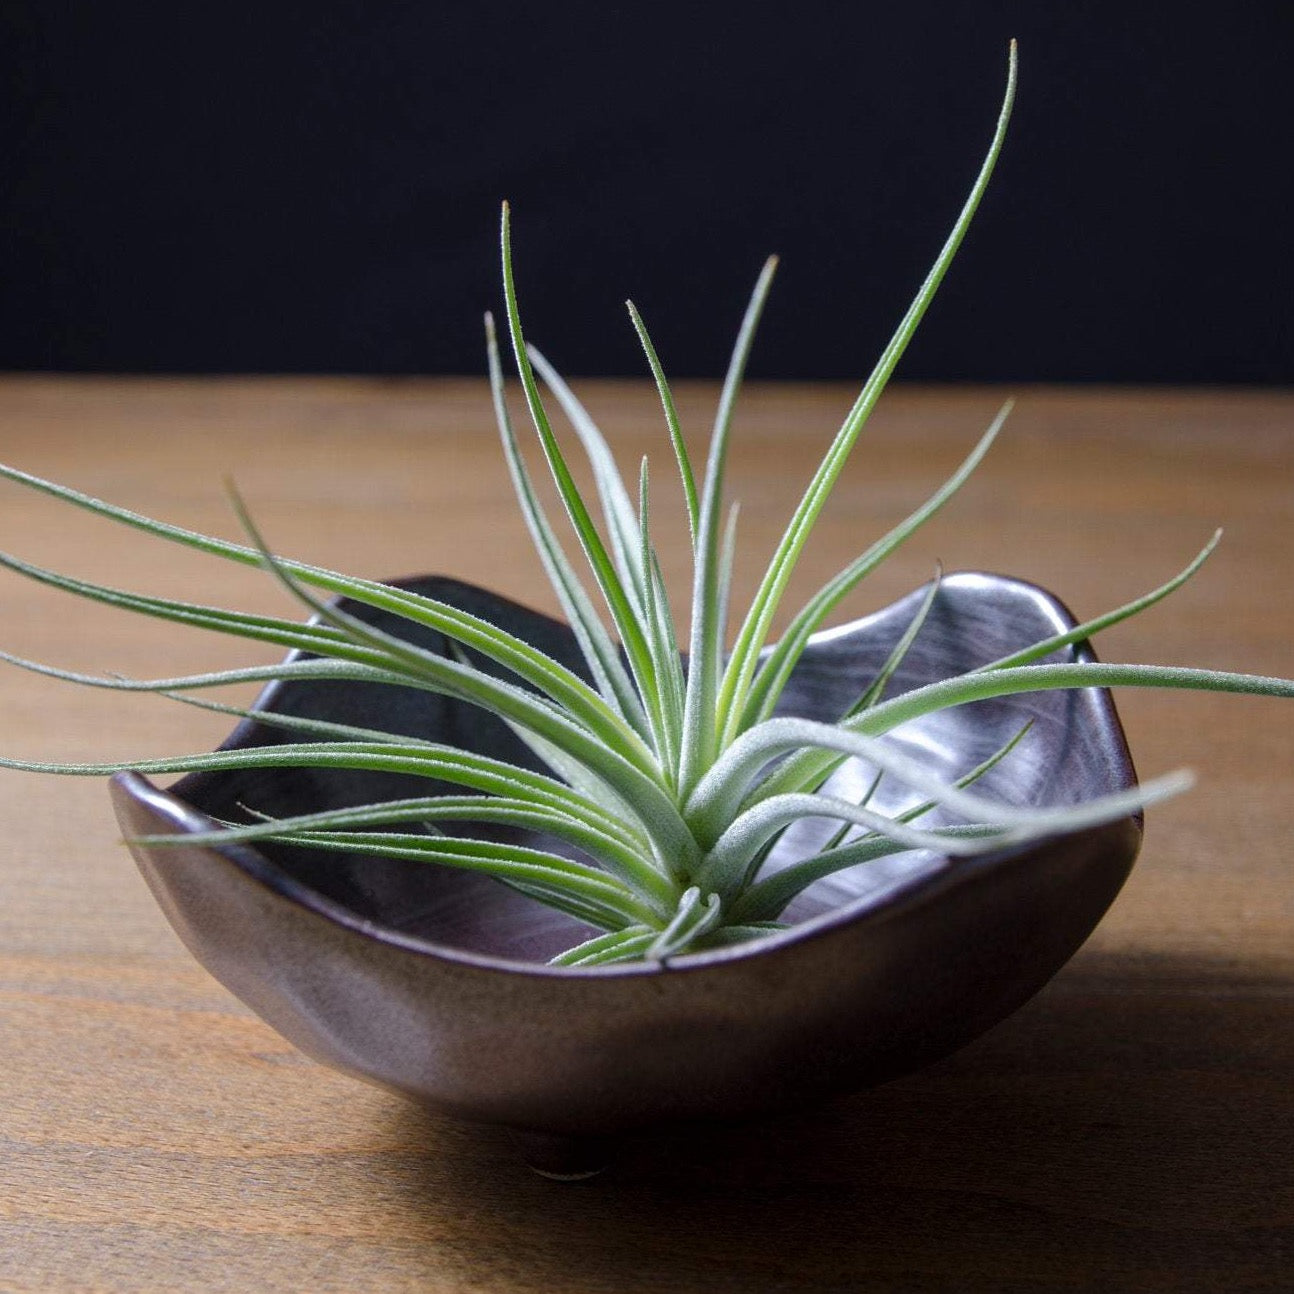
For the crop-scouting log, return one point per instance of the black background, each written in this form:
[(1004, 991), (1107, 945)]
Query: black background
[(315, 187)]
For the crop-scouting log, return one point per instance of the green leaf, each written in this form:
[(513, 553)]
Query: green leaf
[(754, 632), (900, 649), (300, 669), (298, 722), (1004, 681), (784, 885), (705, 649), (663, 645), (518, 810), (1081, 633), (986, 684), (695, 917), (728, 866), (320, 639), (619, 602), (529, 664), (617, 510), (604, 760), (727, 559), (418, 759), (598, 650), (718, 798), (846, 827), (580, 891), (727, 935), (681, 456), (777, 667), (607, 947), (767, 899), (622, 946)]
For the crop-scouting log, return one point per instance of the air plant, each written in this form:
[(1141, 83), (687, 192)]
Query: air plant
[(665, 780)]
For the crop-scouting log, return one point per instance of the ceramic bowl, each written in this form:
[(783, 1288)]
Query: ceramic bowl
[(433, 982)]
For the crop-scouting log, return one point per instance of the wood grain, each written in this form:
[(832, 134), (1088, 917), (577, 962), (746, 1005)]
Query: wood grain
[(1131, 1129)]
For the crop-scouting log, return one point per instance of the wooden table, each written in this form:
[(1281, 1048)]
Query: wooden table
[(1130, 1129)]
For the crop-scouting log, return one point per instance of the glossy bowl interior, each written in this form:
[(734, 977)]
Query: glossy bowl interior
[(433, 982)]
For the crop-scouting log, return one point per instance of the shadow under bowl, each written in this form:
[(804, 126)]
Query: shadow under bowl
[(433, 982)]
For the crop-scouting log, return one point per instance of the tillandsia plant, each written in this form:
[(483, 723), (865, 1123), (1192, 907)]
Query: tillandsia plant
[(666, 780)]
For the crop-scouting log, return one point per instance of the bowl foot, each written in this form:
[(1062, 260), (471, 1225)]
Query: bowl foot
[(564, 1159)]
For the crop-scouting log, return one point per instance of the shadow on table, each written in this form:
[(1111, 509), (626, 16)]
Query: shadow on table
[(1132, 1128)]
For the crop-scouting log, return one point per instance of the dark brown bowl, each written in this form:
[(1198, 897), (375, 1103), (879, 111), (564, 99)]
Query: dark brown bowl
[(432, 981)]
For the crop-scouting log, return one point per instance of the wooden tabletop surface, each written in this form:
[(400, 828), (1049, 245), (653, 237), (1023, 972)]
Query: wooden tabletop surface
[(1132, 1128)]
